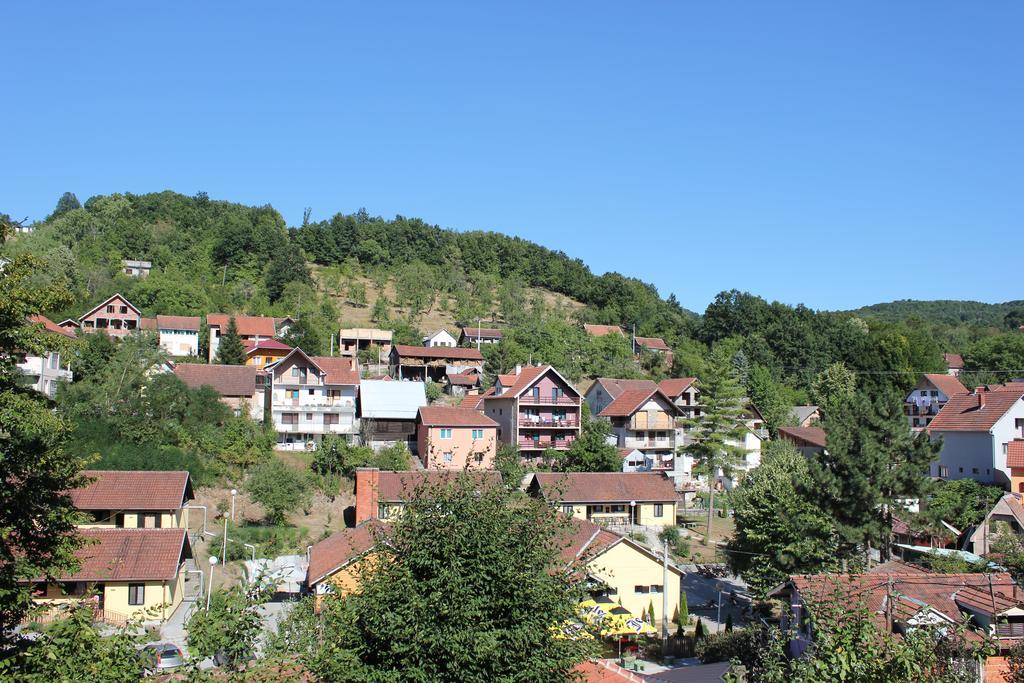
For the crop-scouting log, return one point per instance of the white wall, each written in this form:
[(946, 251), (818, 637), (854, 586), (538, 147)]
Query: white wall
[(180, 342)]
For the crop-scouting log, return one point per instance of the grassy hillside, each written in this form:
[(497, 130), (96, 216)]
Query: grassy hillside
[(944, 311)]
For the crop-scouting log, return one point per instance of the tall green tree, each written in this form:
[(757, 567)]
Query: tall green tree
[(67, 202), (230, 350), (719, 431), (591, 452), (833, 385), (469, 586), (230, 628), (37, 518)]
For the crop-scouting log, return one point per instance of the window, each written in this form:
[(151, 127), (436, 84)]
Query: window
[(293, 393), (54, 361), (555, 393), (935, 393), (149, 521), (642, 589), (124, 309), (383, 511), (659, 510), (267, 360), (974, 470), (257, 361), (309, 417), (656, 588), (446, 433), (535, 392), (295, 372), (943, 471), (289, 418), (961, 470), (478, 433), (311, 391), (331, 419), (567, 509), (136, 593), (110, 308), (448, 456)]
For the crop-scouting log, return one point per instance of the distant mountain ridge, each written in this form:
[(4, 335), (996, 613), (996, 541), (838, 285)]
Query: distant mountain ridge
[(941, 310)]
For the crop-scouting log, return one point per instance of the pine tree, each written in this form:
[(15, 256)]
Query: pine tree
[(720, 428), (698, 631), (684, 611), (67, 202), (650, 613), (231, 351)]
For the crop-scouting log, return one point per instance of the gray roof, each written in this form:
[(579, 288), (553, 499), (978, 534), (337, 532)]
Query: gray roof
[(392, 400), (703, 673), (801, 413), (137, 264)]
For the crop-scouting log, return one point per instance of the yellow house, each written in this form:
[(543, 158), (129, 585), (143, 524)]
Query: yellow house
[(125, 573), (337, 562), (262, 353), (610, 498), (383, 494), (628, 572), (115, 499)]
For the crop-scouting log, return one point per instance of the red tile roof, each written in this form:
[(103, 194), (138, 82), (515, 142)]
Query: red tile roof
[(675, 386), (947, 384), (148, 324), (178, 322), (397, 487), (812, 436), (339, 370), (264, 345), (653, 343), (226, 380), (444, 416), (631, 400), (483, 332), (516, 384), (472, 401), (585, 539), (438, 352), (602, 330), (51, 326), (130, 555), (600, 671), (334, 552), (248, 325), (1015, 453), (605, 487), (614, 386), (964, 412), (464, 379), (115, 297), (954, 360), (133, 490)]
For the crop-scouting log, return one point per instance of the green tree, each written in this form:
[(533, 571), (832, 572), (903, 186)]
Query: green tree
[(288, 265), (1000, 357), (230, 350), (779, 529), (719, 429), (67, 202), (833, 385), (37, 517), (278, 488), (684, 614), (591, 452), (381, 311), (462, 552), (304, 334), (432, 390), (230, 628), (960, 502), (768, 395), (357, 293), (508, 462)]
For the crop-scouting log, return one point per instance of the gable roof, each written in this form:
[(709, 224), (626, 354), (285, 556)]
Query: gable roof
[(248, 325), (964, 412), (471, 401), (226, 380), (252, 346), (675, 386), (445, 416), (339, 549), (813, 436), (954, 360), (515, 384), (605, 487), (133, 490), (130, 554), (947, 384), (463, 379), (51, 326), (482, 333), (383, 399), (148, 324), (614, 387), (631, 400), (337, 370), (602, 330), (437, 352), (397, 487), (178, 322), (801, 413), (437, 333), (1015, 453), (107, 301), (652, 343)]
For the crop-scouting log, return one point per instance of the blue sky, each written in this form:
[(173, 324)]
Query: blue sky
[(835, 154)]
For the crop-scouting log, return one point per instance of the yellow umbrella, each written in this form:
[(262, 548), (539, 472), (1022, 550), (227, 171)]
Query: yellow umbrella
[(613, 620)]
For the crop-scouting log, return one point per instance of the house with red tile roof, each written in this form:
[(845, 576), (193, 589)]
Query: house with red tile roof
[(336, 563), (616, 498), (645, 419), (931, 392), (260, 354), (604, 390), (535, 408), (899, 600), (310, 396), (178, 334), (240, 386), (455, 438), (474, 336), (46, 371), (134, 499), (423, 363), (250, 328), (807, 440), (460, 383), (602, 330), (116, 316), (955, 363), (977, 429), (381, 494)]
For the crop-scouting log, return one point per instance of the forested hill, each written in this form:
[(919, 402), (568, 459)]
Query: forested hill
[(947, 311)]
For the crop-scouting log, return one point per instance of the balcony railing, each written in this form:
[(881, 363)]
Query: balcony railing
[(290, 406), (649, 443), (914, 409), (1015, 630), (544, 423), (540, 444), (530, 400)]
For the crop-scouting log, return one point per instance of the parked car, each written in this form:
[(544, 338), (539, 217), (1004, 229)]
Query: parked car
[(161, 657)]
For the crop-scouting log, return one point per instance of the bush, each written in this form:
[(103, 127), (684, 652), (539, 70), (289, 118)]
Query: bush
[(745, 646), (278, 488), (433, 391), (270, 541), (335, 456)]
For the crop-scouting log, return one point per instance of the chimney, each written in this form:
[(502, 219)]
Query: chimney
[(519, 368), (367, 493), (981, 400)]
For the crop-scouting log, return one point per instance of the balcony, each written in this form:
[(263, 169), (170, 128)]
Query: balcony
[(649, 443), (1013, 630), (297, 405), (541, 444), (315, 428), (912, 409), (545, 423), (528, 400)]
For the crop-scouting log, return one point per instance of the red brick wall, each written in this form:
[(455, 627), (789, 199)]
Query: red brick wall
[(367, 493)]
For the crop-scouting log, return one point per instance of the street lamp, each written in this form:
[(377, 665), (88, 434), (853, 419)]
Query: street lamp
[(251, 547), (224, 545), (209, 590), (234, 492), (632, 512)]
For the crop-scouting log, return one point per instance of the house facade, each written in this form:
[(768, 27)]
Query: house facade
[(251, 328), (808, 440), (432, 363), (441, 337), (388, 412), (260, 354), (47, 371), (240, 387), (604, 390), (455, 438), (116, 316), (976, 431), (535, 409), (311, 396), (610, 498), (931, 392), (352, 340), (954, 363), (134, 268), (473, 336), (645, 420), (178, 334), (381, 494)]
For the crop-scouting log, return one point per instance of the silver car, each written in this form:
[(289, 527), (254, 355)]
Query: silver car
[(160, 658)]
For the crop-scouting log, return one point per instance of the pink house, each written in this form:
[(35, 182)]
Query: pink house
[(456, 438), (116, 316), (535, 408)]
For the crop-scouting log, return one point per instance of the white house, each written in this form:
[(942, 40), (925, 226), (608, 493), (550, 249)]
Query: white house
[(933, 390), (45, 372), (136, 268), (311, 396), (441, 337), (252, 328), (388, 411), (178, 334), (976, 430)]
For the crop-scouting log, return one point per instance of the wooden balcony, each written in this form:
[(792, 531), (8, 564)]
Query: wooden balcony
[(541, 444), (528, 400), (548, 423)]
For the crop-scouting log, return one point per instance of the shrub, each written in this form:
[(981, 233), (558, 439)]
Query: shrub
[(433, 391), (278, 488), (270, 541)]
